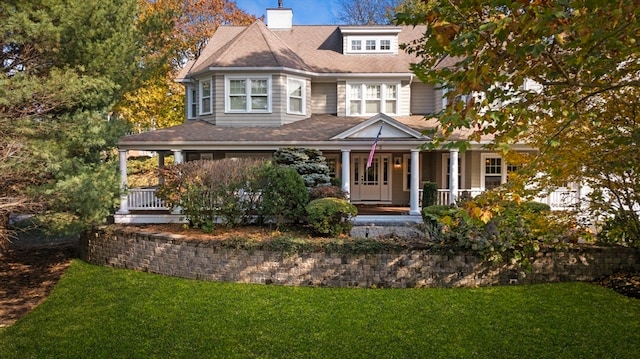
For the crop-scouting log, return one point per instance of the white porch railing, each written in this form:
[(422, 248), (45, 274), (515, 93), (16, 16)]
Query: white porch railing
[(561, 199), (141, 199), (444, 195), (558, 200)]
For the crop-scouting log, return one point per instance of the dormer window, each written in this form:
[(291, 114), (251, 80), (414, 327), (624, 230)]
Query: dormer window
[(368, 44), (370, 40), (371, 45)]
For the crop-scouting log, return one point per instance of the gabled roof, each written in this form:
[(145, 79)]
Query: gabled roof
[(387, 126), (311, 48)]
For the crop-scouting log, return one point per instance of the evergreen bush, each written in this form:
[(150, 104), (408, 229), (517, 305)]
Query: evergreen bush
[(284, 195), (331, 216), (429, 194), (309, 163)]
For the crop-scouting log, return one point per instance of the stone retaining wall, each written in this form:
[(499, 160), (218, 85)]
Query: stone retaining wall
[(178, 256)]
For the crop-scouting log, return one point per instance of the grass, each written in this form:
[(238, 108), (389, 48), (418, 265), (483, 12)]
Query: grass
[(101, 312)]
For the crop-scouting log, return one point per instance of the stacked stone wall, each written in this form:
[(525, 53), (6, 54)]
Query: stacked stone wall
[(177, 255)]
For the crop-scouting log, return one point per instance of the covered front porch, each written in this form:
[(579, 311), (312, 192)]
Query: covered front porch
[(378, 162)]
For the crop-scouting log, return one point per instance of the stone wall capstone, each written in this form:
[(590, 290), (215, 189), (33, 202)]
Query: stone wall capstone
[(177, 255)]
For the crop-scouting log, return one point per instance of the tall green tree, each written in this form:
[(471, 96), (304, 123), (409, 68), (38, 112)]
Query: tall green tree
[(562, 76), (64, 64)]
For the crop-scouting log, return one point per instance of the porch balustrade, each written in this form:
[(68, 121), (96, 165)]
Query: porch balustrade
[(144, 199)]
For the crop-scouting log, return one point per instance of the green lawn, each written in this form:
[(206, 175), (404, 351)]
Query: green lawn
[(100, 312)]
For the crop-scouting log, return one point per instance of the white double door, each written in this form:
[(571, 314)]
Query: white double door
[(371, 184)]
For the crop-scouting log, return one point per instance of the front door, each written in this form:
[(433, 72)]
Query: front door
[(371, 184)]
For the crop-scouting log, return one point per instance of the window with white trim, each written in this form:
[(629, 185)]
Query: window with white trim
[(372, 98), (192, 102), (296, 103), (248, 94), (371, 44), (495, 171), (206, 98)]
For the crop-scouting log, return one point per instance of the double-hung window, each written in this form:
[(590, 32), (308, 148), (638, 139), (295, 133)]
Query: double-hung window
[(206, 98), (356, 45), (248, 94), (192, 102), (370, 45), (495, 171), (296, 96), (372, 98)]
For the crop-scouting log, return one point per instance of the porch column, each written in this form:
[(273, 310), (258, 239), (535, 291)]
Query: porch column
[(124, 197), (177, 158), (414, 199), (346, 173), (453, 175), (160, 166)]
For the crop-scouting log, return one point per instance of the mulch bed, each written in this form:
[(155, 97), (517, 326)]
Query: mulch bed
[(27, 276), (624, 283)]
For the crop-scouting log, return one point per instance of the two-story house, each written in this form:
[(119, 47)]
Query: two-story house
[(258, 88)]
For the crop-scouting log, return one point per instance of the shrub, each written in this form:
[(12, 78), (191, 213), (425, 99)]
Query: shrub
[(284, 195), (210, 191), (500, 228), (309, 163), (429, 194), (327, 191), (330, 216)]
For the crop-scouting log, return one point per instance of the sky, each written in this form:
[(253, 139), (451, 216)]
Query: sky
[(305, 12)]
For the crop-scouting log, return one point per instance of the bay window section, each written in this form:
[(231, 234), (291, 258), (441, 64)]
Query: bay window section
[(251, 94), (296, 96), (206, 98), (192, 102), (372, 98)]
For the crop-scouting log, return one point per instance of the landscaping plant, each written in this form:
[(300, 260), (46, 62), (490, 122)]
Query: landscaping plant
[(500, 227), (211, 191), (331, 216)]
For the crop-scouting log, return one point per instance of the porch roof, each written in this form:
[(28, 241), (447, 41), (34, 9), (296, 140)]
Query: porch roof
[(320, 131)]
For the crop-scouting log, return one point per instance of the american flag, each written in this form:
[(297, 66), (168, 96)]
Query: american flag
[(373, 148)]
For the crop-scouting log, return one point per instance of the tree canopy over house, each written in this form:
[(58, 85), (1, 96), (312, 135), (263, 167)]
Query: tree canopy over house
[(174, 32), (562, 76)]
